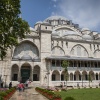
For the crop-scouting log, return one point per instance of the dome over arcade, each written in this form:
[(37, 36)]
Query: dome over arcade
[(26, 57), (39, 22), (87, 37), (85, 29), (56, 18)]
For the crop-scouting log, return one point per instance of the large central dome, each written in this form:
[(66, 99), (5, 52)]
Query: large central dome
[(56, 18)]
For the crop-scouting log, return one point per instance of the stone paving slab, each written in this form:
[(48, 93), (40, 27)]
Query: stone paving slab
[(28, 94)]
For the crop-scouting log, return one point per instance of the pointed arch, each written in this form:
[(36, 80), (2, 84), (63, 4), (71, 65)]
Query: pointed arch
[(64, 76), (14, 72), (26, 72), (36, 73), (71, 76), (79, 50), (97, 76), (26, 50), (55, 75), (77, 75), (91, 73), (57, 50), (84, 75), (97, 53)]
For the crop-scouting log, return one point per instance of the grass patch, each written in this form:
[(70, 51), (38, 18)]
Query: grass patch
[(82, 94)]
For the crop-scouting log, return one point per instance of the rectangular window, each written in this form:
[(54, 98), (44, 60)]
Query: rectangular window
[(15, 77)]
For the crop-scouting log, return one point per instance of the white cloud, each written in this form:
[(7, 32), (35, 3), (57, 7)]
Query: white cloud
[(86, 13), (54, 0), (54, 5)]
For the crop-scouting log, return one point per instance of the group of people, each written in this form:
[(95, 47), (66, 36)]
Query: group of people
[(21, 86)]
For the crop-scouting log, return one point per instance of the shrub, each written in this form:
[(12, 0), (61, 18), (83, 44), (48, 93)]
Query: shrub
[(69, 98), (56, 96), (2, 94), (1, 98)]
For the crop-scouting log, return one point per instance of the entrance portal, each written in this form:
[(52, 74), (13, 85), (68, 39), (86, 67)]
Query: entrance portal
[(25, 73)]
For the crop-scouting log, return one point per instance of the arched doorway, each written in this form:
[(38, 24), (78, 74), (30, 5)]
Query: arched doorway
[(36, 73), (25, 72), (14, 73)]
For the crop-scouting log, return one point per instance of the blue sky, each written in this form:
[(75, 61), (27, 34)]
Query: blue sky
[(86, 13)]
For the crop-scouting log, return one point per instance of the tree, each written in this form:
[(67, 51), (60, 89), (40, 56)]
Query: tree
[(65, 66), (11, 25), (89, 78)]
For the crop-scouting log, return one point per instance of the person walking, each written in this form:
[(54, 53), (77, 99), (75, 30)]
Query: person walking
[(10, 85)]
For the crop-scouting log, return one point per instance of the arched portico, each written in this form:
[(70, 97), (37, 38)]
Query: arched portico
[(55, 76), (36, 73), (26, 71), (14, 72)]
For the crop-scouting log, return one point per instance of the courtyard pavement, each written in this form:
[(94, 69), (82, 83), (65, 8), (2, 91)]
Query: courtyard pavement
[(28, 94)]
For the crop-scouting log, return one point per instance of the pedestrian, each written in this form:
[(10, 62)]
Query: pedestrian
[(23, 87), (27, 82), (10, 85), (2, 84), (61, 85), (19, 87)]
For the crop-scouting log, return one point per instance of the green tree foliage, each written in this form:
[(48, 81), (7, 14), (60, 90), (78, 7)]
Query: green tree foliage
[(11, 25), (89, 79), (65, 66)]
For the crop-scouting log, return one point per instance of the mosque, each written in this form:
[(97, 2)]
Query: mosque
[(39, 56)]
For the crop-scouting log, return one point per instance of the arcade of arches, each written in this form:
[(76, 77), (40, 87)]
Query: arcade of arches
[(25, 72)]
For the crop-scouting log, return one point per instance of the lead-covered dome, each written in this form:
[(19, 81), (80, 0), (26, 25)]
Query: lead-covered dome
[(56, 18), (87, 37)]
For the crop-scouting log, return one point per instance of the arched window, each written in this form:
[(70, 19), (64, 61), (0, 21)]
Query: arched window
[(72, 52), (85, 52), (78, 51), (58, 51)]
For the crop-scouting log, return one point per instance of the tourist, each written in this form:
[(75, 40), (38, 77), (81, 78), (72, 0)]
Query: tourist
[(61, 85), (19, 87), (10, 85), (27, 82), (22, 87)]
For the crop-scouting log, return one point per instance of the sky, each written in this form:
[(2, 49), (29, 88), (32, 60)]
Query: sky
[(86, 13)]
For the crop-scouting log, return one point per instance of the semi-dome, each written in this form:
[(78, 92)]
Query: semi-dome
[(71, 33), (45, 22), (16, 57), (56, 18), (87, 37), (39, 22), (26, 57), (85, 29)]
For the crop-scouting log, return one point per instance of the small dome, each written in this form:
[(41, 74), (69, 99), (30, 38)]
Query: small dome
[(56, 18), (26, 57), (71, 33), (32, 29), (44, 22), (16, 57), (39, 22), (85, 29), (87, 37)]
